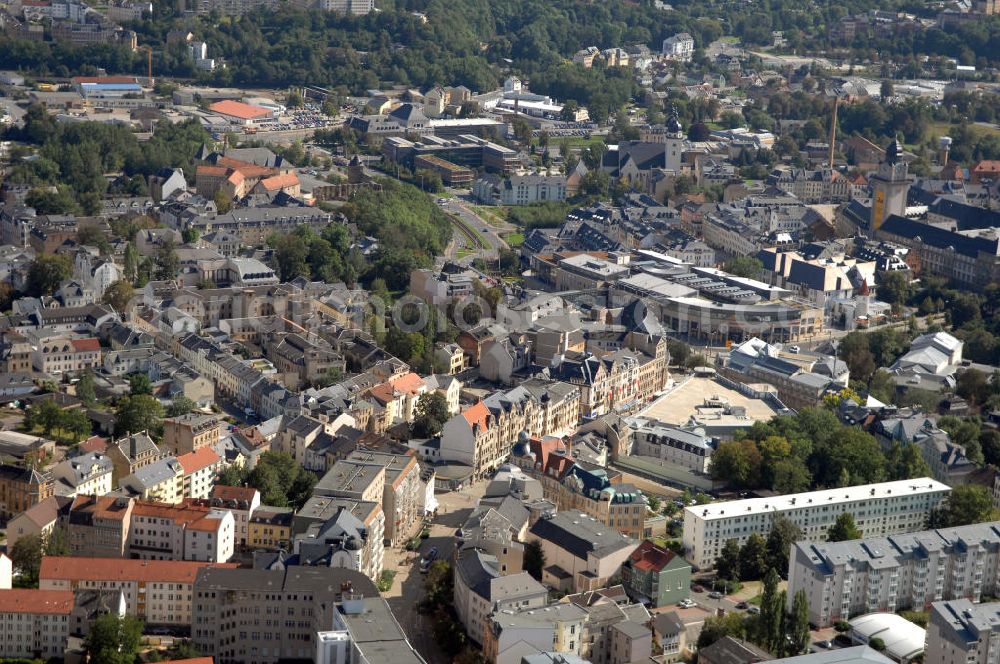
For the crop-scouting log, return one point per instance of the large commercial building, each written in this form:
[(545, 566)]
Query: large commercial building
[(908, 571), (883, 509)]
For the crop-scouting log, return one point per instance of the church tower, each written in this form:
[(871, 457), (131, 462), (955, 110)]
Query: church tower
[(674, 140), (890, 185)]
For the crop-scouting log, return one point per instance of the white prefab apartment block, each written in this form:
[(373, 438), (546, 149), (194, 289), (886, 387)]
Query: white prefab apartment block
[(888, 574), (887, 508), (960, 632)]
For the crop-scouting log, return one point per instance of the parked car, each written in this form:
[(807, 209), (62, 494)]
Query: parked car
[(824, 644), (428, 560), (753, 610), (697, 588), (715, 594), (686, 604), (743, 606)]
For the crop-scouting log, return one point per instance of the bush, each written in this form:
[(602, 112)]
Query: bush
[(842, 626), (385, 580), (877, 644)]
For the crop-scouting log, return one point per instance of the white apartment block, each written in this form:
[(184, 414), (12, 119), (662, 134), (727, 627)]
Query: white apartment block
[(158, 591), (679, 47), (883, 509), (960, 632), (907, 571), (34, 623), (181, 532)]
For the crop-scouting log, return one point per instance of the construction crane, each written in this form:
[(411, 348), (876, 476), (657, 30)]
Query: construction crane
[(149, 63)]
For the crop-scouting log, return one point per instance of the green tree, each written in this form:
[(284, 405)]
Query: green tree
[(769, 630), (46, 273), (431, 414), (855, 351), (973, 386), (223, 203), (118, 295), (114, 639), (737, 463), (139, 412), (894, 288), (139, 383), (181, 406), (753, 558), (782, 535), (745, 266), (26, 557), (85, 389), (167, 263), (966, 504), (732, 624), (534, 559), (76, 423), (727, 565), (843, 529), (57, 542), (131, 262)]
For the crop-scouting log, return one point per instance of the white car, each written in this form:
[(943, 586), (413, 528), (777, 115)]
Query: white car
[(686, 604)]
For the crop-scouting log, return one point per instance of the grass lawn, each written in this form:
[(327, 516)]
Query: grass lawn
[(944, 128), (514, 239), (463, 253), (494, 216), (385, 580), (575, 142)]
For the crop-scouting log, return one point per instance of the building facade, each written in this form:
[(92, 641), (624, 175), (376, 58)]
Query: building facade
[(887, 508)]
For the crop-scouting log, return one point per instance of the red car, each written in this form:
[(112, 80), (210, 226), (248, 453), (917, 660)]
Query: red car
[(697, 588)]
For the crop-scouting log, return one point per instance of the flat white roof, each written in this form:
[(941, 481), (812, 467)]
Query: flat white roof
[(903, 640), (737, 508)]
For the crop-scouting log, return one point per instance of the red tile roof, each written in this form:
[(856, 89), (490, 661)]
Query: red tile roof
[(238, 109), (29, 600), (200, 459), (276, 182), (193, 517), (224, 492), (86, 344), (78, 568), (93, 444), (409, 382), (478, 414)]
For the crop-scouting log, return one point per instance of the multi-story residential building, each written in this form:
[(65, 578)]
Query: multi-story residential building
[(21, 488), (402, 492), (190, 432), (161, 531), (270, 528), (907, 571), (481, 590), (961, 632), (482, 435), (820, 186), (38, 519), (264, 616), (87, 474), (161, 481), (340, 531), (679, 47), (243, 502), (66, 355), (35, 623), (15, 352), (519, 189), (99, 526), (157, 591), (581, 553), (887, 508), (615, 631), (134, 451), (198, 472), (656, 575), (357, 480), (621, 506), (553, 628), (618, 381)]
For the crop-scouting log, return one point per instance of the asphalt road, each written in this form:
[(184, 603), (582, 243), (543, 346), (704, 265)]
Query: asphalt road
[(460, 208)]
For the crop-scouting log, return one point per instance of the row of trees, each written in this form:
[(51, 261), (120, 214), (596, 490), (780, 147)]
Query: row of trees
[(808, 450)]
